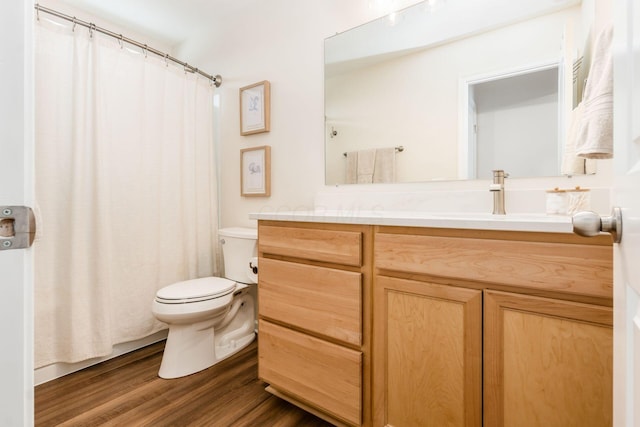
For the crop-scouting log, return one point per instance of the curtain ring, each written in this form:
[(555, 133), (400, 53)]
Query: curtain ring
[(121, 42), (92, 27), (166, 59), (186, 66), (144, 50), (73, 29), (38, 12)]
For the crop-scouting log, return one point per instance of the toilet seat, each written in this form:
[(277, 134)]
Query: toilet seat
[(195, 290)]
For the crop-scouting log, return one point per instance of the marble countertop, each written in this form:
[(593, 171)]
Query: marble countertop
[(464, 220)]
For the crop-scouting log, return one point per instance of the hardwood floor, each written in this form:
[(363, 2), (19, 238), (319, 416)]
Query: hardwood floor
[(126, 391)]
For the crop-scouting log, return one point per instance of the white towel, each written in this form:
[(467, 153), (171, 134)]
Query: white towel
[(352, 168), (595, 134), (385, 165), (366, 164), (572, 164)]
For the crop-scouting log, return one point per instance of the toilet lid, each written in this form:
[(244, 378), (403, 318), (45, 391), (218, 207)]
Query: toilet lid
[(195, 290)]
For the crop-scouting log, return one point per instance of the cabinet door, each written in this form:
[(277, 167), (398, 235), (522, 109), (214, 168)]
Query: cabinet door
[(547, 362), (319, 373), (427, 354)]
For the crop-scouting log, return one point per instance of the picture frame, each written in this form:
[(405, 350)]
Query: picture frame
[(255, 114), (255, 171)]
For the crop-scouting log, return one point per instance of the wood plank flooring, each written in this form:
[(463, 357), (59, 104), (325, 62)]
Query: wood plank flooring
[(126, 391)]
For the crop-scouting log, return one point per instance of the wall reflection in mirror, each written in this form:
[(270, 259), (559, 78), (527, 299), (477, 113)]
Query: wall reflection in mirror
[(464, 86)]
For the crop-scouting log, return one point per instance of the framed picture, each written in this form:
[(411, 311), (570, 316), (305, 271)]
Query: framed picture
[(255, 116), (255, 171)]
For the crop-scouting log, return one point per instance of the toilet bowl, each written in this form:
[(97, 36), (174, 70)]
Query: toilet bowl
[(210, 318)]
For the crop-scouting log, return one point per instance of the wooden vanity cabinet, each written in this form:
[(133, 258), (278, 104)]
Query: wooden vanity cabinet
[(408, 326), (314, 290), (491, 328)]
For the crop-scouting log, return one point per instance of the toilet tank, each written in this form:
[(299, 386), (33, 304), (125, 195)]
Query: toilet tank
[(239, 247)]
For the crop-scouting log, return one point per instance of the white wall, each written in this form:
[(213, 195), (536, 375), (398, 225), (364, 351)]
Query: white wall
[(84, 11), (280, 41)]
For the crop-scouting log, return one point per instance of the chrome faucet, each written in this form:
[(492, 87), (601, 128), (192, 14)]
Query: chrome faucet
[(497, 188)]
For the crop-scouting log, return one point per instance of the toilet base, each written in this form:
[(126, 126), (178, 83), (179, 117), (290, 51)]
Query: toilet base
[(193, 348)]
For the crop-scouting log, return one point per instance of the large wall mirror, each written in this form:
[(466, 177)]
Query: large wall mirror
[(461, 87)]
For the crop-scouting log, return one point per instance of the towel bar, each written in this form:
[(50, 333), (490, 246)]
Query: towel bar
[(399, 149)]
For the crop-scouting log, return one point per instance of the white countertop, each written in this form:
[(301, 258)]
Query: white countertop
[(465, 220)]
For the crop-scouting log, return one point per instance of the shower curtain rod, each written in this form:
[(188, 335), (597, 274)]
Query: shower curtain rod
[(216, 80)]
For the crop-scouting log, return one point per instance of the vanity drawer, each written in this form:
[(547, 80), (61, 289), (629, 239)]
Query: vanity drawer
[(322, 300), (317, 372), (584, 269), (334, 246)]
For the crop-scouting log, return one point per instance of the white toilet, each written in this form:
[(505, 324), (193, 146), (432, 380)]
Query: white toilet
[(210, 318)]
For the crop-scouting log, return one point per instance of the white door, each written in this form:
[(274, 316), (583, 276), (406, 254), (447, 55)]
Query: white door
[(626, 194), (16, 366)]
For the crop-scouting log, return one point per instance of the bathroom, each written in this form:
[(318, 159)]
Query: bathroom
[(297, 136)]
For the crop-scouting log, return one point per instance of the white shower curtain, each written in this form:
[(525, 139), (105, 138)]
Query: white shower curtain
[(126, 192)]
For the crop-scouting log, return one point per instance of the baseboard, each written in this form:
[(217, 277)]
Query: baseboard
[(57, 370)]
